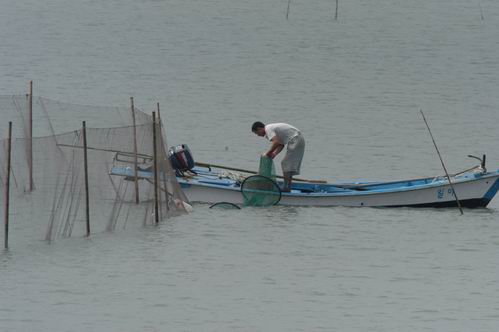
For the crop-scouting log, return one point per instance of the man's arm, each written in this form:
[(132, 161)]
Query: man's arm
[(275, 148)]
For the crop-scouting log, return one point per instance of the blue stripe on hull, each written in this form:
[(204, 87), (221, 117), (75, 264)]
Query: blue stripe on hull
[(492, 191)]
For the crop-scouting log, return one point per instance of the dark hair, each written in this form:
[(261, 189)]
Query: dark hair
[(257, 125)]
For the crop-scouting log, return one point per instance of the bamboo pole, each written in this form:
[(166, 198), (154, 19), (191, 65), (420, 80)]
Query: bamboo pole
[(200, 164), (155, 157), (85, 166), (161, 145), (30, 138), (165, 157), (7, 186), (136, 163), (139, 155), (159, 113), (443, 165)]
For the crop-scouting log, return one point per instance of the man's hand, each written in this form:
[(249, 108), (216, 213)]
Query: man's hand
[(275, 148), (268, 154)]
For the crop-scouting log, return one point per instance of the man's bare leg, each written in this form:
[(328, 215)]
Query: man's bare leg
[(288, 178)]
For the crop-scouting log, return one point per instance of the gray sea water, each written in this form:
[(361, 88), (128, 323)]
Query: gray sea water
[(354, 86)]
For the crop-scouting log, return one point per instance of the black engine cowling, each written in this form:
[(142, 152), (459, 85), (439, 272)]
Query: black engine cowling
[(181, 158)]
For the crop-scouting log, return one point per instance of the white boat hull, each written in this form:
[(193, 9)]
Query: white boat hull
[(473, 188), (471, 193)]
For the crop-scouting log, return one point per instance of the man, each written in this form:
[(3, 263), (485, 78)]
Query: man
[(281, 134)]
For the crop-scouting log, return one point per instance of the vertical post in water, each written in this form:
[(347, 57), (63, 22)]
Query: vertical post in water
[(7, 187), (155, 167), (160, 127), (162, 157), (159, 113), (287, 11), (30, 133), (85, 166), (164, 151), (336, 11), (135, 158)]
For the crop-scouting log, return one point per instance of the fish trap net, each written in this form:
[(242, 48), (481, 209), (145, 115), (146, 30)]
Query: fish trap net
[(130, 180)]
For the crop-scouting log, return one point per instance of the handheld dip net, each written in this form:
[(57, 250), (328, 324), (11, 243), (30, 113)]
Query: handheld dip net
[(261, 189)]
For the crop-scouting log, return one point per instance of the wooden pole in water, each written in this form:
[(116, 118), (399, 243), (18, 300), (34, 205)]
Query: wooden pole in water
[(160, 126), (443, 165), (336, 12), (161, 145), (85, 166), (30, 139), (7, 186), (135, 159), (164, 150), (155, 158), (287, 11), (159, 112)]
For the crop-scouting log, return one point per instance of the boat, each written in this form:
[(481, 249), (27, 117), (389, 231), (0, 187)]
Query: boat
[(474, 187)]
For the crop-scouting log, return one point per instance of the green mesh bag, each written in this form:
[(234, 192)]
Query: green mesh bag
[(267, 167), (261, 189)]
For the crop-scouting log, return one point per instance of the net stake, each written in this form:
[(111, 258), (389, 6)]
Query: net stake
[(136, 162), (85, 166), (7, 186), (30, 138), (160, 198), (161, 145), (155, 157)]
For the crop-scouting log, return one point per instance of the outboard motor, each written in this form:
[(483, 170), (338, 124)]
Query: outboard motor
[(181, 158)]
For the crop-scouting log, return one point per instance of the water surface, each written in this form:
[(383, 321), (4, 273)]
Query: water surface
[(353, 86)]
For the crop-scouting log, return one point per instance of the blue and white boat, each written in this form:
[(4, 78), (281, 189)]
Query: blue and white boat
[(474, 187)]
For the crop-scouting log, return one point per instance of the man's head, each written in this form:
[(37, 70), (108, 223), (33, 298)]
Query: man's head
[(258, 128)]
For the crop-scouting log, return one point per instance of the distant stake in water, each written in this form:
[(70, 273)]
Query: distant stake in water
[(287, 11), (336, 12), (443, 165)]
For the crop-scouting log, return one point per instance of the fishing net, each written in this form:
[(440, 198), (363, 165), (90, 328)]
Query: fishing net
[(267, 168), (225, 206), (261, 189), (47, 184)]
